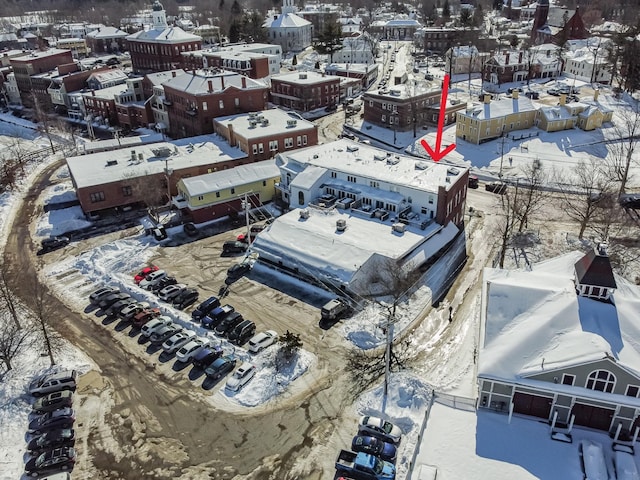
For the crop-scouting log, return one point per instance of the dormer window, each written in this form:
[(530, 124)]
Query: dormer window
[(594, 276)]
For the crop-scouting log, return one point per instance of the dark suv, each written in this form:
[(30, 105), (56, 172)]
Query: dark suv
[(54, 243), (206, 357), (229, 322), (216, 315), (204, 308), (243, 332)]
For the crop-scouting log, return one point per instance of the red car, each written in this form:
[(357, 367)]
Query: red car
[(145, 316), (143, 273)]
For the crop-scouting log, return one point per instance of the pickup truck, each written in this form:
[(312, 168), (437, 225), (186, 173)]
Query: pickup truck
[(364, 465)]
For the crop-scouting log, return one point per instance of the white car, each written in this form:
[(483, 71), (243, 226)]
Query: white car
[(241, 377), (177, 341), (380, 428), (169, 292), (191, 349), (151, 279), (262, 340), (130, 311), (154, 325)]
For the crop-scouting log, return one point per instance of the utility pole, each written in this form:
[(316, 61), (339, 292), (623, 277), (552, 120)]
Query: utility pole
[(167, 173), (245, 206), (504, 137)]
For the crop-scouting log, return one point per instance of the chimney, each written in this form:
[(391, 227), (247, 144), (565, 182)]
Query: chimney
[(515, 94), (487, 98), (173, 74), (221, 82), (93, 93), (506, 59), (596, 94), (275, 17), (244, 82), (520, 57), (210, 86), (563, 99), (232, 135)]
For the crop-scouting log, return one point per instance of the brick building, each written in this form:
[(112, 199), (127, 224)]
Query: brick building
[(261, 135), (107, 40), (194, 99), (254, 60), (160, 47), (305, 91), (36, 63)]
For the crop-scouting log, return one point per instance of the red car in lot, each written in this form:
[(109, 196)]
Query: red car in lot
[(143, 273), (145, 316)]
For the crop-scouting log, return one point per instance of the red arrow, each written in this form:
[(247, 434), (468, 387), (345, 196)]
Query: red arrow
[(437, 155)]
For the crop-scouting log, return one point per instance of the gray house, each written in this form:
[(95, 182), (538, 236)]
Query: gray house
[(560, 342)]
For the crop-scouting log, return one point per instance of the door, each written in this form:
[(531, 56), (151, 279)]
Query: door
[(593, 417), (533, 405)]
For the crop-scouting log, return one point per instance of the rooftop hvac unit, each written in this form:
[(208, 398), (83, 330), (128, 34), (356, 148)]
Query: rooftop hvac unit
[(303, 76), (421, 166), (341, 225), (253, 115), (352, 148), (379, 157), (252, 124), (304, 214), (133, 155), (291, 123), (399, 227), (393, 161), (453, 171), (265, 122), (111, 163)]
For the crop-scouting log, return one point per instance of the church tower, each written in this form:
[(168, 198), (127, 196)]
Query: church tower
[(288, 7), (159, 16), (540, 18)]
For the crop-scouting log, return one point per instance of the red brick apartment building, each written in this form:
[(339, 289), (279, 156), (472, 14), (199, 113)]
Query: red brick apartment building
[(305, 91), (35, 63), (193, 100), (160, 47), (261, 135)]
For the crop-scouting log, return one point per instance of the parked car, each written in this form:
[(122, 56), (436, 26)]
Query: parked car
[(116, 309), (515, 89), (53, 243), (216, 315), (56, 460), (165, 332), (241, 377), (204, 308), (154, 325), (187, 297), (554, 91), (242, 332), (143, 273), (234, 246), (206, 356), (428, 76), (130, 311), (473, 181), (238, 270), (228, 323), (192, 348), (496, 187), (61, 418), (151, 279), (101, 293), (109, 300), (112, 61), (63, 437), (374, 446), (380, 428), (190, 229), (56, 382), (167, 294), (262, 340), (173, 343), (220, 367), (165, 282), (145, 316), (53, 401), (532, 95)]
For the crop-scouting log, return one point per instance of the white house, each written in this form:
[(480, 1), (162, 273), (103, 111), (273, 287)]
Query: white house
[(292, 32), (589, 66), (356, 49)]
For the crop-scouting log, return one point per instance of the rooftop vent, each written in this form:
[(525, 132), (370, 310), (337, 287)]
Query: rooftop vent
[(304, 214), (252, 123), (341, 225), (379, 157), (393, 161), (452, 171), (265, 122), (111, 163), (352, 148), (303, 75), (291, 123), (398, 227), (421, 165)]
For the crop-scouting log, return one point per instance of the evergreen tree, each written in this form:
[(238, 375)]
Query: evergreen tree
[(446, 9), (330, 40)]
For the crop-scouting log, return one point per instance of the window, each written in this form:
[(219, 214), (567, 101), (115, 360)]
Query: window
[(217, 194), (568, 379), (97, 197), (127, 191), (300, 198), (288, 143), (221, 104), (299, 140), (264, 183), (374, 184), (273, 145), (204, 106), (254, 148), (351, 179), (237, 102), (261, 148), (632, 391), (304, 139), (200, 197), (601, 380), (233, 191), (334, 175), (383, 118)]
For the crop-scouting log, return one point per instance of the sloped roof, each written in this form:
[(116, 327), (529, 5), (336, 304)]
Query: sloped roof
[(499, 108), (555, 113), (198, 83), (158, 78), (107, 32), (535, 315), (595, 269), (287, 20), (167, 35)]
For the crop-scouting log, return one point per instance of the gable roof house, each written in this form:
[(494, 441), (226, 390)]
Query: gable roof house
[(559, 343), (489, 120), (292, 32), (584, 115), (557, 24)]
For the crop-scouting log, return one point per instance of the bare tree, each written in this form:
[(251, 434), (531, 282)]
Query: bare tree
[(624, 146), (13, 339), (40, 306), (530, 195), (505, 226), (589, 191), (7, 298)]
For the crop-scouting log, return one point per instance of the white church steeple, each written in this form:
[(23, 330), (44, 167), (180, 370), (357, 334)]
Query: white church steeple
[(288, 7), (159, 16)]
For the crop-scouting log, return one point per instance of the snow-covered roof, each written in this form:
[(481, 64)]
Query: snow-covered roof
[(168, 35), (555, 113), (108, 93), (204, 82), (107, 32), (304, 78), (314, 247), (279, 122), (535, 315), (159, 78), (231, 177), (369, 162), (93, 169), (286, 20), (110, 75), (498, 108), (32, 55)]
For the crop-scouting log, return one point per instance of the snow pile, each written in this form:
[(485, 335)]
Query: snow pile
[(58, 222)]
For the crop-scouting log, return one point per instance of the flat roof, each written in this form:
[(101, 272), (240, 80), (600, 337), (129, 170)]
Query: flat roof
[(99, 169), (198, 82), (35, 54), (304, 78), (279, 122), (498, 108), (369, 162)]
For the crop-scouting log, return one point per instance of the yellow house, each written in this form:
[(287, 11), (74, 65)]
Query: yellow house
[(594, 116), (78, 46), (218, 194), (483, 122)]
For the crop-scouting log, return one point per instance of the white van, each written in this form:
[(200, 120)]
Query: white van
[(626, 468)]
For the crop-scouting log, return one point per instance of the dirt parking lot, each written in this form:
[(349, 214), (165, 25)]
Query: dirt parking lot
[(141, 418)]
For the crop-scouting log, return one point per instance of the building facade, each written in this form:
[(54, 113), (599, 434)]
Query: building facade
[(107, 40), (292, 32), (305, 91)]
